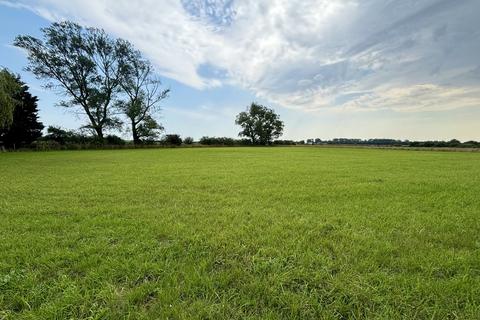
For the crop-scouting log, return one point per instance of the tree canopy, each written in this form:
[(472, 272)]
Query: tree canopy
[(83, 64), (260, 124), (143, 95), (99, 74), (25, 126), (9, 88)]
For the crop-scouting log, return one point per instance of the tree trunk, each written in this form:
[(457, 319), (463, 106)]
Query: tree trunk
[(99, 131), (136, 138)]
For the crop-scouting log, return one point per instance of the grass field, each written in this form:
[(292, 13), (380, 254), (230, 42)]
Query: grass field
[(234, 233)]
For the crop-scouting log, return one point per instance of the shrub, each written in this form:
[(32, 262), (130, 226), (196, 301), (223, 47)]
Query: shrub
[(63, 136), (284, 142), (114, 140), (219, 141), (172, 139), (188, 140), (45, 145), (206, 140)]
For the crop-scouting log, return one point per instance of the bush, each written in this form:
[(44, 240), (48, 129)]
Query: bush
[(45, 145), (471, 144), (114, 140), (245, 142), (219, 141), (454, 143), (172, 140), (206, 140), (63, 136), (188, 140), (284, 142)]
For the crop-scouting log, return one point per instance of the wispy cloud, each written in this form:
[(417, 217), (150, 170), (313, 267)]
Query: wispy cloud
[(403, 55), (422, 97)]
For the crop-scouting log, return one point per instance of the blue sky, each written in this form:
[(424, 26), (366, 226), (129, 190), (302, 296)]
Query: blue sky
[(332, 68)]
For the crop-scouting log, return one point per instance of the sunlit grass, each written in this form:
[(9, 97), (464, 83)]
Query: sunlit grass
[(266, 233)]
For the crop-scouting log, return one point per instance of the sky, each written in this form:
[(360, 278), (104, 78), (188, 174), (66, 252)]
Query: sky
[(403, 69)]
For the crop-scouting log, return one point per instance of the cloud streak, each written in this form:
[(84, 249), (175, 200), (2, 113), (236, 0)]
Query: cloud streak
[(401, 55)]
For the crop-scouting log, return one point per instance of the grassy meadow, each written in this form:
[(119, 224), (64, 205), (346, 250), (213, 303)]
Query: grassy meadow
[(240, 233)]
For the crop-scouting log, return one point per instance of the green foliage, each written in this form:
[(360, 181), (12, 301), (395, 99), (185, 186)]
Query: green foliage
[(142, 95), (260, 124), (148, 130), (112, 139), (84, 63), (224, 141), (9, 89), (240, 233), (454, 143), (172, 140), (98, 74), (63, 136), (284, 142), (188, 140), (219, 141), (74, 140), (25, 127)]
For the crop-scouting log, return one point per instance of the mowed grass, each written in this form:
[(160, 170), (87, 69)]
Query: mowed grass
[(236, 233)]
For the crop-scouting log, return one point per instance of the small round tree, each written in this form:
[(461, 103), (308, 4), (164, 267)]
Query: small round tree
[(260, 124)]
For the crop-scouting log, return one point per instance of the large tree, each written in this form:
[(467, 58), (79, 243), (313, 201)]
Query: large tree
[(25, 127), (9, 88), (260, 124), (142, 96), (84, 63)]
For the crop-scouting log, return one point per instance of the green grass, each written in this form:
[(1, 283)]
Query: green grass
[(234, 233)]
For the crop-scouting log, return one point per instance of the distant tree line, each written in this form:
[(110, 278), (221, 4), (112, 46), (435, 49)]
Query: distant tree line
[(223, 141), (226, 141), (454, 143)]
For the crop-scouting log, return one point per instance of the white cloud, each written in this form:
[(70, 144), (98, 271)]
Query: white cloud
[(421, 97), (351, 54)]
